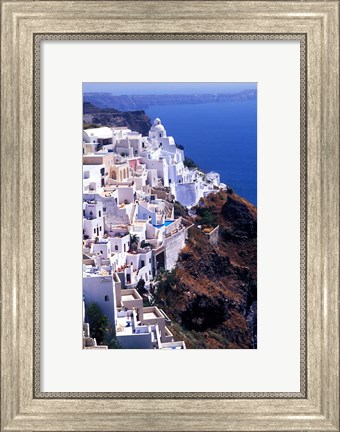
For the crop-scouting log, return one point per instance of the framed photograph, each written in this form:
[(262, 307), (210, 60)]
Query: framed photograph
[(138, 279), (150, 213)]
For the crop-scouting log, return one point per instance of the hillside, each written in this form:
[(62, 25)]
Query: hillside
[(211, 295)]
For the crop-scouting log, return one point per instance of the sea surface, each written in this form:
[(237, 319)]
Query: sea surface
[(219, 137)]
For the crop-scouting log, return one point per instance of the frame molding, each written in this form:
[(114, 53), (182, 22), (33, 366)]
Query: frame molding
[(22, 408)]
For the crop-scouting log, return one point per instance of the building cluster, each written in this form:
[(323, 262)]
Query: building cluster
[(129, 231)]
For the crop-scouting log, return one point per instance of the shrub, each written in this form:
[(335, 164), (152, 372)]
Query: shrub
[(140, 287), (189, 163), (99, 323), (206, 215), (204, 313), (180, 210)]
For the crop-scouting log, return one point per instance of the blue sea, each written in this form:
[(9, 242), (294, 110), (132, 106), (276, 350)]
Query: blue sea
[(219, 137)]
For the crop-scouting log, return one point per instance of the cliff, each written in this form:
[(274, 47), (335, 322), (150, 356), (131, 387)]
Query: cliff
[(134, 120), (211, 295)]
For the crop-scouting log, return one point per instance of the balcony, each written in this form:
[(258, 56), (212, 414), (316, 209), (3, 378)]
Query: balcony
[(152, 313)]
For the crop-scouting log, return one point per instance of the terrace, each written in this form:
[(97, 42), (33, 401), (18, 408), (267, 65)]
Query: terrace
[(124, 324), (152, 313), (90, 271), (127, 325), (131, 299), (117, 231)]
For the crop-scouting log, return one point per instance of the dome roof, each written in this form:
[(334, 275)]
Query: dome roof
[(157, 125)]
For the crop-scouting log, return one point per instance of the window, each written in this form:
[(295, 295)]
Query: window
[(100, 228), (160, 135), (104, 208), (150, 260), (94, 230), (116, 247), (83, 212), (91, 213), (107, 298), (143, 263), (100, 213)]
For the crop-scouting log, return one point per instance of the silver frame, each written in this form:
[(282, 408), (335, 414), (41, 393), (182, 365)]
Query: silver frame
[(24, 25)]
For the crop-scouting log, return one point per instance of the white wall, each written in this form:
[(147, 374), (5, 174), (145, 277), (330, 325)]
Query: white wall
[(187, 193), (135, 341), (95, 288), (125, 194), (122, 243), (103, 248), (93, 228), (173, 246)]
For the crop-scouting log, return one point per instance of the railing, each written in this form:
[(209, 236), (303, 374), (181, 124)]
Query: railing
[(142, 329), (167, 319)]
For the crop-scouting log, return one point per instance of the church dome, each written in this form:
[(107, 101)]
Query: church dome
[(157, 125)]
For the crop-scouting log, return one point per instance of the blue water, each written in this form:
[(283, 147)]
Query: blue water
[(166, 223), (219, 137)]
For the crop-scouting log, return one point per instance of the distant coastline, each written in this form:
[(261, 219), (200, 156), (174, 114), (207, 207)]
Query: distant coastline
[(142, 102)]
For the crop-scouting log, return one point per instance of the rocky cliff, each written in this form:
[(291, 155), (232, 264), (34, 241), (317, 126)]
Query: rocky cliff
[(134, 120), (211, 295)]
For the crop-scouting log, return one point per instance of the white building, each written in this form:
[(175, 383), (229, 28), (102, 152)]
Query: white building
[(129, 228), (93, 221), (98, 138)]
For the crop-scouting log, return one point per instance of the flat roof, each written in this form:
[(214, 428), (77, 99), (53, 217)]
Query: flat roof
[(128, 297), (150, 315), (122, 327), (101, 132), (92, 167)]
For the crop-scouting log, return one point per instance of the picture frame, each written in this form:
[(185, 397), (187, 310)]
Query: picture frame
[(23, 407)]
